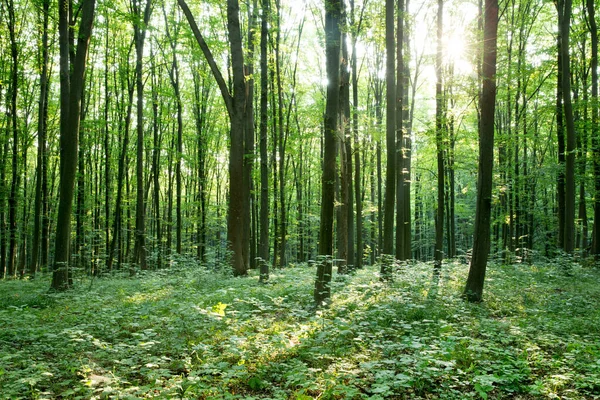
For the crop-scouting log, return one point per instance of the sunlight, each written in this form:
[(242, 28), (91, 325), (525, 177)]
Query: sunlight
[(456, 53)]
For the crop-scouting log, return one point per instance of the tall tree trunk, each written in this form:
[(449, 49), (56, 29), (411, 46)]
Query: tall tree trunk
[(333, 10), (407, 116), (560, 135), (248, 167), (140, 27), (565, 26), (11, 267), (390, 128), (236, 110), (71, 89), (594, 128), (357, 165), (115, 248), (344, 177), (156, 147), (439, 135), (263, 249), (481, 246), (400, 217), (42, 129)]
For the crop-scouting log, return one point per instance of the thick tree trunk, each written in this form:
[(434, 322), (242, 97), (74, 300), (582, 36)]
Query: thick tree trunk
[(390, 127), (333, 10), (237, 192), (565, 26), (481, 246), (236, 109), (71, 89)]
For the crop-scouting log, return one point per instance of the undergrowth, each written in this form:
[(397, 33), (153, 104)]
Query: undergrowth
[(191, 333)]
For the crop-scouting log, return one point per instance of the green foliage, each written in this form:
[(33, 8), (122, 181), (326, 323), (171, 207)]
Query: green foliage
[(190, 333)]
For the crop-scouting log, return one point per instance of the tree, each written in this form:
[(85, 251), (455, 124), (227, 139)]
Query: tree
[(139, 34), (11, 267), (333, 15), (235, 105), (71, 90), (263, 250), (41, 168), (564, 18), (481, 246), (439, 138), (390, 129), (594, 127)]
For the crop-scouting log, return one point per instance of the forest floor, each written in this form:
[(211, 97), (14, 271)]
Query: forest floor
[(191, 333)]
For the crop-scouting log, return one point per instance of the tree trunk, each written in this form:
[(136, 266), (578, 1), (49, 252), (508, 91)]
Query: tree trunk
[(481, 246), (42, 129), (236, 110), (333, 9), (264, 157), (139, 28), (11, 267), (439, 135), (248, 166), (400, 71), (390, 127), (594, 128), (71, 89), (565, 26)]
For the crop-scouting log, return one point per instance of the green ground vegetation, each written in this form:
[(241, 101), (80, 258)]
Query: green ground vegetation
[(188, 332)]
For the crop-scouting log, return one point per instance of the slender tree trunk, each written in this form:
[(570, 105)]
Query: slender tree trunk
[(400, 217), (594, 128), (41, 172), (116, 247), (248, 167), (14, 129), (560, 134), (481, 246), (357, 164), (439, 134), (139, 27), (263, 252)]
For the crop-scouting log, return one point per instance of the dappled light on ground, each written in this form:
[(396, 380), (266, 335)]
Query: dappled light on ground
[(189, 333)]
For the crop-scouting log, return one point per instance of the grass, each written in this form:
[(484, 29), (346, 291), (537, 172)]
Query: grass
[(191, 333)]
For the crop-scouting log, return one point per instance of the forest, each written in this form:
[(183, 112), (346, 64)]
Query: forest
[(299, 199)]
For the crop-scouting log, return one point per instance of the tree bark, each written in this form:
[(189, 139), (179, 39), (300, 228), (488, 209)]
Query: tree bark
[(481, 246), (41, 172), (390, 128), (264, 157), (236, 110), (439, 135), (333, 9), (71, 89), (594, 128), (140, 27), (565, 26)]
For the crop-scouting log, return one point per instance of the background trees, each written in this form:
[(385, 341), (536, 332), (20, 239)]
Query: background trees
[(204, 185)]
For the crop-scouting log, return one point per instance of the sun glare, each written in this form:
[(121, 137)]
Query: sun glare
[(456, 53)]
